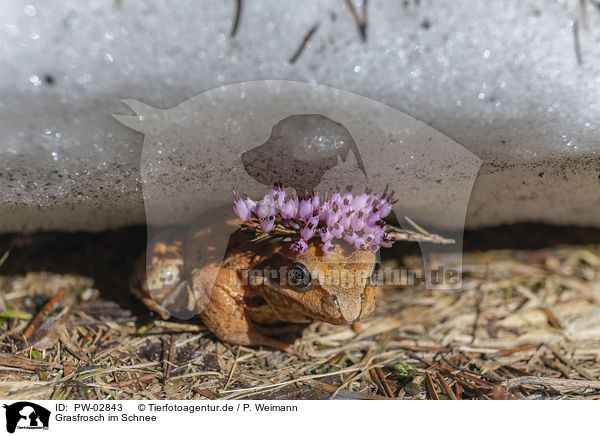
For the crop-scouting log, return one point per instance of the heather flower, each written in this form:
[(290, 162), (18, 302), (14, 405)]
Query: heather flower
[(305, 209), (328, 247), (359, 244), (332, 218), (347, 199), (241, 209), (300, 246), (385, 209), (337, 231), (289, 209), (315, 201), (350, 236), (336, 198), (386, 240), (346, 219), (356, 220), (360, 202), (263, 209), (323, 212), (267, 224), (277, 196), (325, 234), (373, 217), (309, 230)]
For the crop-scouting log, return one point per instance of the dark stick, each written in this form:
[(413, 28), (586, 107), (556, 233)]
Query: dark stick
[(360, 22), (236, 20), (577, 45), (307, 38), (363, 30)]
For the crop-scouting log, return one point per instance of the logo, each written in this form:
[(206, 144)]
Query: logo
[(26, 415), (246, 137)]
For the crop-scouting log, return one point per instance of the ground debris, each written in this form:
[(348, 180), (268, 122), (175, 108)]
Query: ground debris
[(524, 324)]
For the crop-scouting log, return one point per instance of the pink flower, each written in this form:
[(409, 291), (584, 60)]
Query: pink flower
[(386, 208), (300, 246), (263, 210), (359, 244), (277, 196), (360, 202), (328, 248), (289, 209), (337, 231), (358, 221), (242, 210), (350, 236), (345, 220), (309, 230), (386, 240), (305, 209), (373, 217), (267, 224), (325, 234), (346, 199), (336, 198), (332, 218), (315, 201)]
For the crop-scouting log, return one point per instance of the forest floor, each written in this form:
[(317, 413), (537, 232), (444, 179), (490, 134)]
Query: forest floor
[(524, 324)]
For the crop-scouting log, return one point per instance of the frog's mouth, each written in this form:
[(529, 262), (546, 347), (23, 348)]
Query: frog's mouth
[(339, 308), (348, 307)]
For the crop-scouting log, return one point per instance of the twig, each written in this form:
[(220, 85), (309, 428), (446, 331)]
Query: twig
[(13, 361), (4, 257), (564, 359), (553, 319), (305, 40), (552, 383), (133, 381), (446, 387), (287, 382), (379, 378), (426, 349), (577, 43), (557, 366), (45, 310), (169, 364), (465, 384), (205, 393), (430, 387), (360, 22), (358, 395), (233, 366), (417, 235), (236, 20), (513, 350), (345, 383), (69, 345)]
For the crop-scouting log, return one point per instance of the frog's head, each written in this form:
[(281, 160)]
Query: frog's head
[(338, 288)]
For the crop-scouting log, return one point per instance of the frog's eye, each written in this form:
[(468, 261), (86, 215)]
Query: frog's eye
[(374, 275), (299, 276)]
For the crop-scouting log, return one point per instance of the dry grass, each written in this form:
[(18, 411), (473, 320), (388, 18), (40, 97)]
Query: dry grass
[(525, 324)]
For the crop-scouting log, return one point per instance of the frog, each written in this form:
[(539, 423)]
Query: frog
[(258, 286)]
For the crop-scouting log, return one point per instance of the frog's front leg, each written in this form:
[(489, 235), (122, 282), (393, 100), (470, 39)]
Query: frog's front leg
[(160, 282), (223, 308)]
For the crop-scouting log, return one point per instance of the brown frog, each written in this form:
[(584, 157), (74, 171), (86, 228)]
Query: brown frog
[(257, 285)]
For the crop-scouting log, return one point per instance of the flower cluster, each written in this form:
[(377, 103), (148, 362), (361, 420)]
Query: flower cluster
[(358, 220)]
